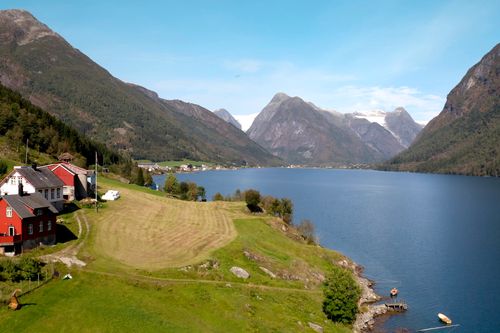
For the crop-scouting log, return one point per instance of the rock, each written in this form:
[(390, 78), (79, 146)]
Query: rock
[(316, 327), (268, 272), (240, 272)]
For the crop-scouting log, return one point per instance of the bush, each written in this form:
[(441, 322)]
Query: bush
[(171, 184), (23, 269), (306, 229), (341, 296)]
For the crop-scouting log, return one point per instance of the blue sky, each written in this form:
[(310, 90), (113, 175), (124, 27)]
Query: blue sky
[(342, 55)]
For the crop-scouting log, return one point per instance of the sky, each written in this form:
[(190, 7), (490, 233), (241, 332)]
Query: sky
[(341, 55)]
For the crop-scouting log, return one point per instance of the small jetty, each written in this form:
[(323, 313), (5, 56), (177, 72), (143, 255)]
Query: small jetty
[(397, 306)]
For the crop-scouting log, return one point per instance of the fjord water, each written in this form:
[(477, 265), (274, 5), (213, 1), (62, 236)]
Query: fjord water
[(434, 237)]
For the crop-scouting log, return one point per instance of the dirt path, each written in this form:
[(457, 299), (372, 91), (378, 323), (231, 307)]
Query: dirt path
[(68, 254)]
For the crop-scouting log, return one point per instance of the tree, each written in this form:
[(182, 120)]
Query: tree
[(306, 229), (286, 210), (148, 179), (139, 180), (341, 296), (192, 192), (202, 193), (171, 184), (218, 197), (252, 198)]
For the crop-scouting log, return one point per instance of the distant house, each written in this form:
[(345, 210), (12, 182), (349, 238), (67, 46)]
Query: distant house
[(77, 181), (34, 180), (26, 220)]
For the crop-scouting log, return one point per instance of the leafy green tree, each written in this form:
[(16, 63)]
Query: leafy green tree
[(139, 180), (192, 192), (252, 197), (286, 210), (341, 296), (171, 184), (218, 197), (202, 193)]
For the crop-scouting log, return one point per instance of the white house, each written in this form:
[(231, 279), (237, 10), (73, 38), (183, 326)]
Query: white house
[(33, 180)]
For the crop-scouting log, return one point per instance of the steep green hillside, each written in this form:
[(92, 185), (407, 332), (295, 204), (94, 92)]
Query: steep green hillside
[(465, 137), (43, 67), (47, 136)]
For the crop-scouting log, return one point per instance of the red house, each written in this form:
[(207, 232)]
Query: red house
[(26, 220), (75, 179)]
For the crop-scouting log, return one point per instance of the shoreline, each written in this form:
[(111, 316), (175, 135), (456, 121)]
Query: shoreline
[(369, 311)]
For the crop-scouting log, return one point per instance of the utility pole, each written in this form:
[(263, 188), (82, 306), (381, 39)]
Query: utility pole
[(96, 208)]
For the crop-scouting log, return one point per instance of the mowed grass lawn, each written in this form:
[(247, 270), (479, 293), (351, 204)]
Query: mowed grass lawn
[(146, 273), (150, 232)]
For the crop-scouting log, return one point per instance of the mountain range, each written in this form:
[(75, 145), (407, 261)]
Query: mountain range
[(47, 70), (465, 137), (299, 132)]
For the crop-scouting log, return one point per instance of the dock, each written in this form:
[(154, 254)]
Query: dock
[(397, 306)]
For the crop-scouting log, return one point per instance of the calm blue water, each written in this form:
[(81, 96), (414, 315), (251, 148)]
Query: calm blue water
[(435, 237)]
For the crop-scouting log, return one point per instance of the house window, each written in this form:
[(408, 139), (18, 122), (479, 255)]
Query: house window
[(30, 229), (12, 180), (46, 194), (52, 196), (58, 193), (8, 212), (49, 225), (40, 227), (40, 191), (19, 179), (39, 212)]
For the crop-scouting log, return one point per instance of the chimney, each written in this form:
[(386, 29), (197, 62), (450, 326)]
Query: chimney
[(20, 189), (34, 166)]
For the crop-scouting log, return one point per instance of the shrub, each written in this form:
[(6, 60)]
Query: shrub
[(218, 197), (341, 296), (252, 198), (3, 167), (306, 229)]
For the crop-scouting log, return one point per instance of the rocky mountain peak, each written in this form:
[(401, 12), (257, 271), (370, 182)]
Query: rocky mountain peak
[(19, 26), (279, 97), (227, 117)]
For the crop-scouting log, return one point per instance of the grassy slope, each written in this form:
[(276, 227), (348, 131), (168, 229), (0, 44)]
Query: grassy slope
[(113, 295)]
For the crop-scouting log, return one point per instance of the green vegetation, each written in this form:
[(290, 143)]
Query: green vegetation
[(184, 190), (173, 164), (126, 117), (167, 268), (468, 145), (341, 296), (15, 270)]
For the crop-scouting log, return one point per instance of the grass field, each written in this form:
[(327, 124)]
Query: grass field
[(147, 272), (150, 232)]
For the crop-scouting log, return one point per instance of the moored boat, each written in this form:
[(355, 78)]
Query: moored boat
[(444, 319)]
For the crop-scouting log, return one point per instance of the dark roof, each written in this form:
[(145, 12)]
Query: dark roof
[(20, 204), (40, 178)]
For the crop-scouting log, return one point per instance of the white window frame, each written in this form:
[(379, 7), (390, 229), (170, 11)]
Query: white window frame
[(8, 211), (58, 193), (40, 226), (52, 194), (49, 225), (46, 192), (13, 180), (30, 229)]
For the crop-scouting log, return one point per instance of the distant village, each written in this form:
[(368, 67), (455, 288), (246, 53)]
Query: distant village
[(155, 168), (31, 197)]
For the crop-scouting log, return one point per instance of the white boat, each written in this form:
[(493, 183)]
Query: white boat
[(444, 319)]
